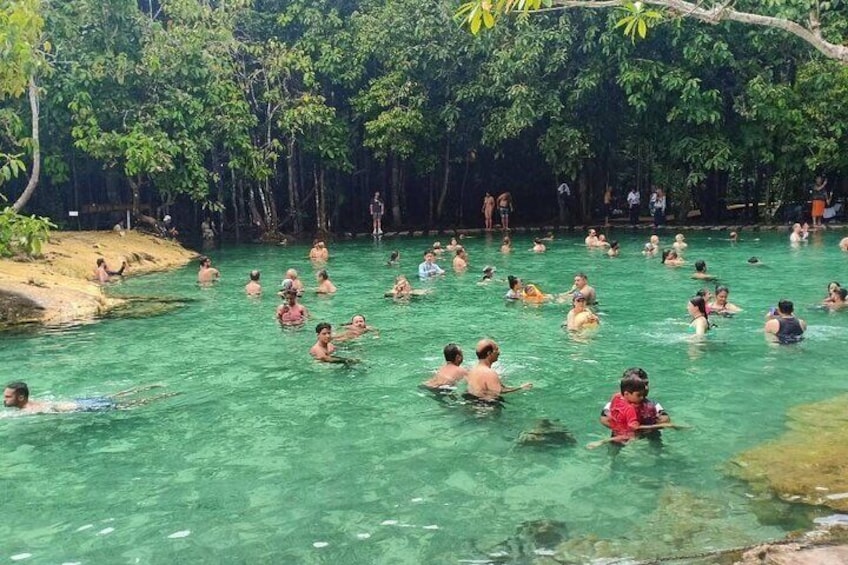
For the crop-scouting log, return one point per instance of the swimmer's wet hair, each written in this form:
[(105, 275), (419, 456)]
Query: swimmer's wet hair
[(20, 388), (753, 260), (254, 275), (100, 261), (322, 326), (485, 350), (203, 259), (512, 281), (632, 383), (452, 351), (701, 266), (323, 274), (637, 372), (786, 306), (722, 288)]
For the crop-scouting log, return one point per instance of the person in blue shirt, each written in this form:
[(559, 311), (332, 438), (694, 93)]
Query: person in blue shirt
[(428, 269)]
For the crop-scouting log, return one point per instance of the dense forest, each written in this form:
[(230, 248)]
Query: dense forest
[(284, 116)]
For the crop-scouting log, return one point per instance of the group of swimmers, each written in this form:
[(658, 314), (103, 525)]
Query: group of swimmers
[(483, 383)]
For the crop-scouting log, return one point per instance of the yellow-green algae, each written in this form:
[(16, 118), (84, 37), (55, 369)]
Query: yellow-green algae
[(808, 463)]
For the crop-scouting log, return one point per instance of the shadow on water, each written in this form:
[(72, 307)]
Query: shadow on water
[(146, 307)]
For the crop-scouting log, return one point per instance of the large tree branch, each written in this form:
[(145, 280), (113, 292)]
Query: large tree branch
[(724, 12), (36, 149)]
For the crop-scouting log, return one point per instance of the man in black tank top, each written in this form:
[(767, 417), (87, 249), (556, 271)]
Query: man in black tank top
[(784, 325)]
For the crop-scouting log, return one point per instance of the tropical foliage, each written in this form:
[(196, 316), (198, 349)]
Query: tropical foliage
[(286, 115)]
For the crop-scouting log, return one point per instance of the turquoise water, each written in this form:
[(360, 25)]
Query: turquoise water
[(266, 454)]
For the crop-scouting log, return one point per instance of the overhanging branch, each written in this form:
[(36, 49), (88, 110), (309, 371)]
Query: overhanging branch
[(724, 12)]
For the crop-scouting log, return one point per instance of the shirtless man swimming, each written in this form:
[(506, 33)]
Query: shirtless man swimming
[(16, 395), (253, 287), (324, 349), (484, 384), (581, 285), (450, 373), (207, 273), (102, 272)]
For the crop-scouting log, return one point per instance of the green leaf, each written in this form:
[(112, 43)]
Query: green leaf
[(643, 29)]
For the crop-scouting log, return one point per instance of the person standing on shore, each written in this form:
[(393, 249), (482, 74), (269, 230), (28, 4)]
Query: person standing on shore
[(564, 202), (633, 201), (819, 199), (488, 211), (377, 209), (607, 205), (504, 208), (659, 208)]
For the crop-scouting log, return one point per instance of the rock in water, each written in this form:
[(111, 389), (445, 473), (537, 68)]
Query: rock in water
[(547, 433)]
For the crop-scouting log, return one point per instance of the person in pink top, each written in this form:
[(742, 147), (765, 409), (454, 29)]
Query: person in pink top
[(291, 313)]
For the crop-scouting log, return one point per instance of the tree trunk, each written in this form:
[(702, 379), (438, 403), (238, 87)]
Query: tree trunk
[(294, 201), (36, 149), (236, 195), (396, 192), (445, 183), (320, 201)]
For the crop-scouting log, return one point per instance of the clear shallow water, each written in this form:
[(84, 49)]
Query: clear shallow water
[(265, 453)]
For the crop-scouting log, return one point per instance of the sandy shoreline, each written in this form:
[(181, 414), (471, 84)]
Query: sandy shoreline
[(59, 288)]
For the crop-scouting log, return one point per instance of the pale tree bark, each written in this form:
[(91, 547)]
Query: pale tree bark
[(36, 149), (723, 11)]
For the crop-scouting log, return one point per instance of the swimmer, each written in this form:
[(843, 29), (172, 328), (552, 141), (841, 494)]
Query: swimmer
[(488, 273), (402, 289), (836, 300), (325, 286), (843, 244), (614, 249), (602, 242), (720, 305), (318, 252), (580, 317), (624, 413), (754, 261), (355, 328), (831, 287), (453, 245), (591, 239), (460, 260), (207, 273), (516, 288), (506, 245), (428, 269), (701, 272), (437, 248), (102, 272), (652, 246), (484, 384), (323, 349), (798, 235), (296, 283), (734, 237), (784, 325), (581, 285), (679, 244), (697, 308), (291, 313), (449, 374), (253, 288), (548, 238), (670, 259), (538, 246), (394, 258), (648, 412), (16, 395)]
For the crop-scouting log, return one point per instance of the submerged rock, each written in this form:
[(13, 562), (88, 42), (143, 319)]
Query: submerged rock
[(533, 539), (546, 433), (808, 463)]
